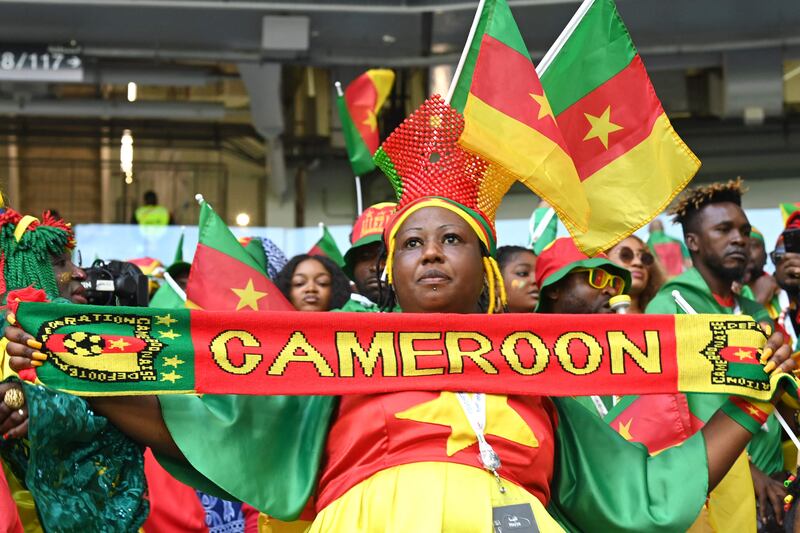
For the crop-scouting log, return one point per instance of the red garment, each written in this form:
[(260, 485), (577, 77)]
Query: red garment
[(9, 518), (730, 301), (174, 507), (366, 437)]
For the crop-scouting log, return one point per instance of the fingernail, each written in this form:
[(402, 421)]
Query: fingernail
[(767, 329), (33, 343), (36, 364), (39, 356), (11, 318), (770, 366), (778, 370), (5, 436), (765, 355)]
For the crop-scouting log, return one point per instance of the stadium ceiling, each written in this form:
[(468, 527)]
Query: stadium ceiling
[(684, 33)]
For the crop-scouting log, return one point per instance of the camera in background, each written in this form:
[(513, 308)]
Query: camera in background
[(116, 283)]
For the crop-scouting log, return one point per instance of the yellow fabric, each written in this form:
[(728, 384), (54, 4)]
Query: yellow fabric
[(426, 497), (789, 456), (382, 79), (267, 524), (531, 157), (23, 224), (631, 190), (695, 364), (731, 505), (26, 508)]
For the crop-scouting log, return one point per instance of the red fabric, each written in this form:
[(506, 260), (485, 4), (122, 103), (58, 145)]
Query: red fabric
[(361, 97), (793, 222), (174, 507), (250, 518), (671, 256), (372, 221), (506, 80), (297, 353), (28, 294), (658, 421), (366, 438), (724, 302), (558, 254), (632, 104), (9, 518), (215, 274)]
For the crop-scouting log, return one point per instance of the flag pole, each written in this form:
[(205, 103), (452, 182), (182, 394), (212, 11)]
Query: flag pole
[(465, 52), (359, 199), (321, 226), (544, 64)]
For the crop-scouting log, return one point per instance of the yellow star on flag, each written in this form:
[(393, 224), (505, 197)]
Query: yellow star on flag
[(371, 120), (249, 296), (171, 335), (544, 106), (173, 361), (743, 354), (501, 421), (625, 430), (754, 411), (171, 376), (165, 320), (118, 344), (601, 127)]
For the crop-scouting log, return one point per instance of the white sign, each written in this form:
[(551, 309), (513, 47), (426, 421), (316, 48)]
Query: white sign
[(40, 64)]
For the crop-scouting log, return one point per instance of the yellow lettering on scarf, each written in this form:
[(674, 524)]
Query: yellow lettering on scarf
[(509, 351), (410, 353), (299, 350), (456, 355), (619, 344), (565, 357), (219, 349), (381, 347)]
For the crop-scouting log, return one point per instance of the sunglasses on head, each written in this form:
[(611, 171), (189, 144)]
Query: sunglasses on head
[(600, 279), (626, 255)]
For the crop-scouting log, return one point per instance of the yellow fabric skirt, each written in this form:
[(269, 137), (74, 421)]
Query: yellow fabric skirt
[(426, 497)]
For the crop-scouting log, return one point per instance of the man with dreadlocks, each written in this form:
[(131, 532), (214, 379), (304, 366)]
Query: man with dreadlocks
[(717, 234), (81, 472)]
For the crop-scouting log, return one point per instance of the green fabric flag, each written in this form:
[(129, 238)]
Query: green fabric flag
[(326, 245), (543, 228), (255, 249), (357, 150), (179, 249), (166, 298)]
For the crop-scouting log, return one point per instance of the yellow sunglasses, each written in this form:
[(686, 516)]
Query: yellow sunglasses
[(600, 279)]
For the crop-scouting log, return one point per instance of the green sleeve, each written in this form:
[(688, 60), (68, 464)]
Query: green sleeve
[(604, 483), (83, 474), (263, 450), (662, 304), (765, 449)]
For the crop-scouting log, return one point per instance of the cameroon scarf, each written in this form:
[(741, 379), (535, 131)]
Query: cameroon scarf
[(124, 350)]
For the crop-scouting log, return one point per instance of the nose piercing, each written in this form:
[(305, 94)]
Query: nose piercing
[(434, 289), (64, 277)]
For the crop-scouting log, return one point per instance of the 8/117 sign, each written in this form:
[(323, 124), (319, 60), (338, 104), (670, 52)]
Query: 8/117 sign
[(40, 64)]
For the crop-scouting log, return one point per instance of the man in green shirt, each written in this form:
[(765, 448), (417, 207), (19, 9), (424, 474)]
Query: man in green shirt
[(361, 260), (717, 235)]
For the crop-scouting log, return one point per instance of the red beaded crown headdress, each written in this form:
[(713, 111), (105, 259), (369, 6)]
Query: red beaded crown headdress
[(427, 167)]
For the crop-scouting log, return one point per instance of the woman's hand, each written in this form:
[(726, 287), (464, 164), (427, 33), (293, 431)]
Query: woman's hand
[(777, 358), (13, 418), (23, 349)]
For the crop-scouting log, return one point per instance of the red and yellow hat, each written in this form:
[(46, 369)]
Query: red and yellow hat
[(367, 229)]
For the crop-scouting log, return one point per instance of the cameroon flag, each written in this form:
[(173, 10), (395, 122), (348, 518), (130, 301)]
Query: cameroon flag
[(221, 260), (326, 245), (628, 157), (508, 119), (358, 111)]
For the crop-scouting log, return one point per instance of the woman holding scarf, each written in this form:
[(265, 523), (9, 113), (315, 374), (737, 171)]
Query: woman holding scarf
[(444, 461)]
